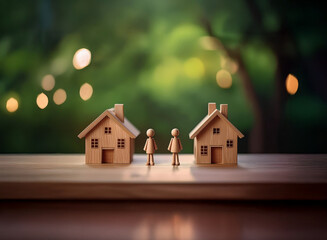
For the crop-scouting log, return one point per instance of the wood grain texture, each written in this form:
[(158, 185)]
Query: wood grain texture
[(257, 176), (108, 141), (110, 113), (215, 130), (216, 155), (111, 130), (207, 119), (207, 138)]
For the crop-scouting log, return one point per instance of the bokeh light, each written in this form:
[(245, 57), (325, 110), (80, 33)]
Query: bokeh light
[(42, 101), (228, 64), (292, 84), (82, 58), (60, 96), (194, 68), (209, 43), (48, 82), (12, 104), (224, 79), (86, 91)]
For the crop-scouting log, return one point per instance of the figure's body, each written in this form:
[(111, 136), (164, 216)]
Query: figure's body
[(175, 146), (150, 146)]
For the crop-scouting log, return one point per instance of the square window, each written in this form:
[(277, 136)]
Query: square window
[(120, 143), (230, 143), (107, 130), (216, 130), (204, 150), (94, 143)]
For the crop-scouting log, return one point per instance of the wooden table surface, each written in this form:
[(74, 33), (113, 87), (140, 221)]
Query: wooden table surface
[(163, 202), (257, 177), (161, 220)]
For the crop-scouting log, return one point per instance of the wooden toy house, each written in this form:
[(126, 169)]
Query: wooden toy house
[(215, 137), (110, 138)]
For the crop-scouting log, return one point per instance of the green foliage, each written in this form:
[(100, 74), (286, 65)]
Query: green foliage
[(145, 54)]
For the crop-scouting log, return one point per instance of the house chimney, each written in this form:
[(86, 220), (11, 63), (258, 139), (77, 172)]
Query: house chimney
[(119, 111), (211, 107), (224, 110)]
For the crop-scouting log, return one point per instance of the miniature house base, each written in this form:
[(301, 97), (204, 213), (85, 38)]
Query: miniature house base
[(215, 138)]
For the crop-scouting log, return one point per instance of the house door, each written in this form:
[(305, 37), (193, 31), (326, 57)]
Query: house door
[(216, 155), (107, 155)]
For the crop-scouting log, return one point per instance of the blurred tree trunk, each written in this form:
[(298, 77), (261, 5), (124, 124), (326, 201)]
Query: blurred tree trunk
[(256, 138), (280, 43), (265, 134)]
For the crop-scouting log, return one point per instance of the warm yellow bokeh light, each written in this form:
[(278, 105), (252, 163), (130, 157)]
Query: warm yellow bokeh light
[(42, 101), (60, 96), (224, 79), (228, 64), (292, 84), (48, 82), (82, 58), (209, 43), (12, 105), (194, 68), (86, 91)]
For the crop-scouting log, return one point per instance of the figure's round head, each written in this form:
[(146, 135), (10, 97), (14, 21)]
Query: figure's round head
[(175, 132), (150, 132)]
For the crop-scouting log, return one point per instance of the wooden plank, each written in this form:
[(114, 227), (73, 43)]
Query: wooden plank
[(257, 177)]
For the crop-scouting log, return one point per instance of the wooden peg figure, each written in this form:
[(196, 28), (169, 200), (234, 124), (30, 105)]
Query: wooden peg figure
[(150, 146), (175, 146)]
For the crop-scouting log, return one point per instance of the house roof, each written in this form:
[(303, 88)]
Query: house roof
[(207, 119), (132, 131)]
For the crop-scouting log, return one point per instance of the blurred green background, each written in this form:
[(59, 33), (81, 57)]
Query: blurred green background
[(161, 59)]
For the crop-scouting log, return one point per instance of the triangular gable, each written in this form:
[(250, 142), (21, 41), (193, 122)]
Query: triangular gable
[(131, 130), (207, 119)]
